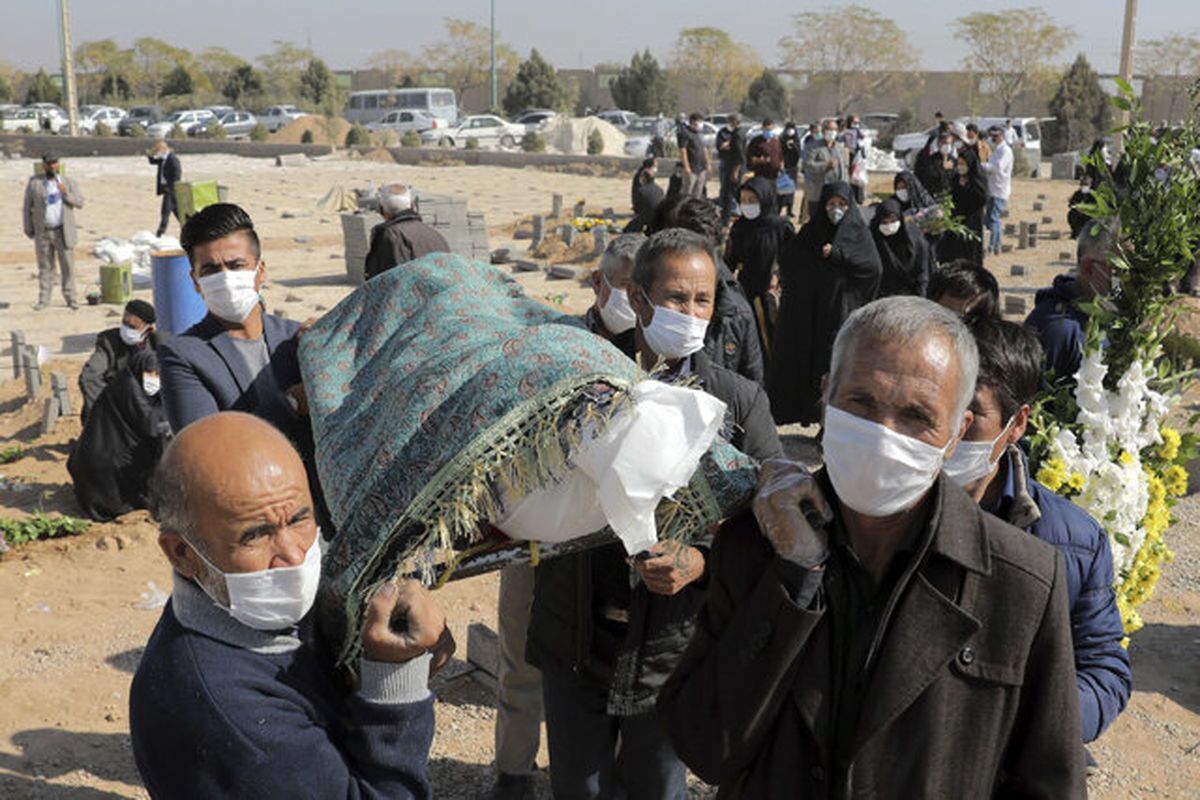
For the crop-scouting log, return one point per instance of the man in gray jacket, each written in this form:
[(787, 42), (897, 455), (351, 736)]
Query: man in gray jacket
[(827, 162), (49, 216)]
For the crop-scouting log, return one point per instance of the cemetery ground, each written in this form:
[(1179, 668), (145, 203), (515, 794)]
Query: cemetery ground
[(78, 610)]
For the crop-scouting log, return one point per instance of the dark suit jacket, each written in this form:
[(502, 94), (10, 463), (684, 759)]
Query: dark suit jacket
[(972, 693), (202, 374), (169, 173)]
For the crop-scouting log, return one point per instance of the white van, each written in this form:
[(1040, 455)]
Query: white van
[(373, 105)]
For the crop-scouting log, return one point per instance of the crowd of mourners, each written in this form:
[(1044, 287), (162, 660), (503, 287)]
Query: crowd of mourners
[(918, 618)]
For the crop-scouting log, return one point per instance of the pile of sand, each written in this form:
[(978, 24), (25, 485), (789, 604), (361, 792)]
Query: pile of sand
[(555, 250), (321, 128), (570, 135)]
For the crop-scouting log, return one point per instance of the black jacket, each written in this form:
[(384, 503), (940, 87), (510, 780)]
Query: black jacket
[(109, 359), (567, 633), (734, 155), (399, 240), (170, 171), (645, 195), (732, 336)]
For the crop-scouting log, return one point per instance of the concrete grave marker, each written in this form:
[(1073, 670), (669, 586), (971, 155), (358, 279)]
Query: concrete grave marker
[(1017, 271), (18, 344), (556, 203)]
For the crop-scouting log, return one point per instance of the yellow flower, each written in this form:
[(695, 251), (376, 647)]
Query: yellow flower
[(1052, 474), (1157, 489), (1125, 457), (1076, 481), (1171, 440), (1176, 479)]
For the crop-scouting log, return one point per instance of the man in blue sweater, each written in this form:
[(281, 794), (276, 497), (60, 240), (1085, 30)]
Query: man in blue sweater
[(995, 471), (235, 697)]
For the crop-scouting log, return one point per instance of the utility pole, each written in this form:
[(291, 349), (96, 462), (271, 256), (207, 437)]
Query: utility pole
[(68, 68), (495, 97), (1126, 66)]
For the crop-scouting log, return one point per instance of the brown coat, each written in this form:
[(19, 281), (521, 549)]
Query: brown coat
[(400, 239), (972, 695)]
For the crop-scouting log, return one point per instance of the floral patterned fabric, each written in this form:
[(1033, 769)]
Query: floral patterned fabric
[(435, 389)]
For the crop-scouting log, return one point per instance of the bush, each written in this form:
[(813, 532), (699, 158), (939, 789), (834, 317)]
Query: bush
[(137, 130), (38, 526), (176, 132), (472, 143), (259, 133), (357, 136), (102, 129), (215, 131), (14, 453), (533, 142), (410, 139), (306, 137), (595, 143)]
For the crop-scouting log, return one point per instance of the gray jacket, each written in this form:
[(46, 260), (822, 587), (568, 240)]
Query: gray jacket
[(35, 207), (817, 173)]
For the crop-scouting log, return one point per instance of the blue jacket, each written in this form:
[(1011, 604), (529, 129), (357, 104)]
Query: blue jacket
[(1101, 665), (202, 373), (1060, 325), (220, 711)]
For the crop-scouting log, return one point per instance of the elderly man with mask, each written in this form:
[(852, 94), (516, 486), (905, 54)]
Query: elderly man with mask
[(114, 347), (910, 646), (827, 162), (234, 696), (606, 630), (402, 236), (519, 685)]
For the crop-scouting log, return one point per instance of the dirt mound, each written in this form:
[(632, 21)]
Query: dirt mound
[(570, 135), (320, 127)]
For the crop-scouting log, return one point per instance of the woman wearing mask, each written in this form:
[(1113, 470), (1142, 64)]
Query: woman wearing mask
[(906, 257), (755, 242), (935, 170), (969, 192), (827, 270), (910, 194), (121, 443), (645, 195)]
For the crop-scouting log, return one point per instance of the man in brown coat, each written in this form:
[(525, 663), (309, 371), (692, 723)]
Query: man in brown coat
[(49, 218), (402, 236), (911, 646)]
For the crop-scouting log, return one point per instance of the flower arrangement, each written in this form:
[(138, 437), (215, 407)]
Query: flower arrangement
[(587, 223), (1102, 437)]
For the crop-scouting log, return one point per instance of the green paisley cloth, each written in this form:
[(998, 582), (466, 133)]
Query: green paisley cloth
[(436, 389)]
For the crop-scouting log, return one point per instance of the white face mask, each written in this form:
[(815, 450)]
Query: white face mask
[(617, 314), (131, 336), (946, 149), (902, 195), (151, 384), (829, 136), (889, 228), (674, 335), (750, 210), (875, 470), (230, 293), (973, 460), (271, 599), (835, 214)]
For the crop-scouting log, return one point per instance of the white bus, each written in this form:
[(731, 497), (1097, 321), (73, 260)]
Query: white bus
[(371, 106)]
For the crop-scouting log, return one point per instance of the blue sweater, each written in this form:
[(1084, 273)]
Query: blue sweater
[(1060, 325), (1102, 669), (219, 710)]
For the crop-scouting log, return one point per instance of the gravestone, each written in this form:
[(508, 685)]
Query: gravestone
[(563, 271), (49, 414), (539, 226), (1065, 255), (556, 203), (1017, 271), (1023, 236), (1047, 220), (578, 209), (1038, 206), (599, 239), (569, 235), (17, 338), (1014, 304), (61, 393), (33, 373)]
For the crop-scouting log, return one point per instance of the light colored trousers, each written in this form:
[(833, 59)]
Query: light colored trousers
[(694, 184), (51, 247), (519, 705)]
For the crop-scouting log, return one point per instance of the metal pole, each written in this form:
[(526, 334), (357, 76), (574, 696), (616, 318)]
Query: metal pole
[(495, 97), (68, 68), (1126, 66)]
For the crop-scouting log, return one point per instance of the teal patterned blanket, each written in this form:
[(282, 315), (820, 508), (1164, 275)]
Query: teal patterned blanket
[(436, 389)]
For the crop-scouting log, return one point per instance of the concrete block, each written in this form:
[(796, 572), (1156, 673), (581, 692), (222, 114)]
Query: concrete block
[(291, 160), (62, 393), (1010, 229), (1015, 305), (564, 272), (49, 414), (483, 648), (1062, 168), (609, 212), (1054, 235), (569, 235), (1006, 248), (33, 373), (17, 340), (1066, 255), (1047, 220), (1041, 197), (1017, 271), (556, 204), (599, 239), (1038, 206), (1023, 236), (539, 227), (500, 256), (525, 266)]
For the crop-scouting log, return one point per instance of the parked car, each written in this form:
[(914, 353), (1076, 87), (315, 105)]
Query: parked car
[(483, 128), (50, 116), (187, 120), (401, 121), (91, 116), (237, 125), (221, 111), (1028, 130), (639, 145), (20, 120), (276, 117), (139, 115), (619, 119), (534, 119)]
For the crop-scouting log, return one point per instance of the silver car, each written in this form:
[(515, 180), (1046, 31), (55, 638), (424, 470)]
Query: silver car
[(401, 121), (237, 125)]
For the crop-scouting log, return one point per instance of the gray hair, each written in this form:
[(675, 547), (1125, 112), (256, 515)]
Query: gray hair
[(624, 249), (904, 319), (659, 246), (1097, 239), (169, 497), (395, 198)]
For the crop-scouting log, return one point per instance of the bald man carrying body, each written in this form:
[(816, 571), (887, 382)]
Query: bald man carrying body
[(234, 697)]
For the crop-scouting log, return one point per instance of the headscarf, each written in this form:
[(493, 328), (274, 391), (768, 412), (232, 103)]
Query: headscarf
[(904, 255), (918, 196), (851, 237), (754, 244), (974, 173)]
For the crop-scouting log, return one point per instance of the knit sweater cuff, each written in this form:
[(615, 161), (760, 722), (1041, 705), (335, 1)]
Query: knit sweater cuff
[(384, 682)]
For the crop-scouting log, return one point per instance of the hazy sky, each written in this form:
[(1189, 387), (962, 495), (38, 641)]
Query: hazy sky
[(569, 34)]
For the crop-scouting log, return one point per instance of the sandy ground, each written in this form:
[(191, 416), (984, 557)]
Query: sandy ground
[(79, 610)]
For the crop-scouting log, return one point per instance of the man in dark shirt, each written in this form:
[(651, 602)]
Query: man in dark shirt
[(693, 157), (169, 173), (731, 152), (402, 236), (113, 349)]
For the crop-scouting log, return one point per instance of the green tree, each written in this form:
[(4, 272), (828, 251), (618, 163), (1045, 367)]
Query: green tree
[(1080, 107), (643, 87), (177, 82), (861, 51), (282, 68), (1012, 49), (102, 67), (155, 59), (242, 83), (463, 57), (42, 89), (766, 97), (536, 85), (316, 82), (397, 65), (1175, 59), (218, 64), (6, 90), (115, 87), (719, 69)]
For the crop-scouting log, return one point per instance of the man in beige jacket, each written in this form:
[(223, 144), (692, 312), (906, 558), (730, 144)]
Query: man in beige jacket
[(49, 215)]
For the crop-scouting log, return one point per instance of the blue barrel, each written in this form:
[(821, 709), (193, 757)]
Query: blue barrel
[(176, 302)]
